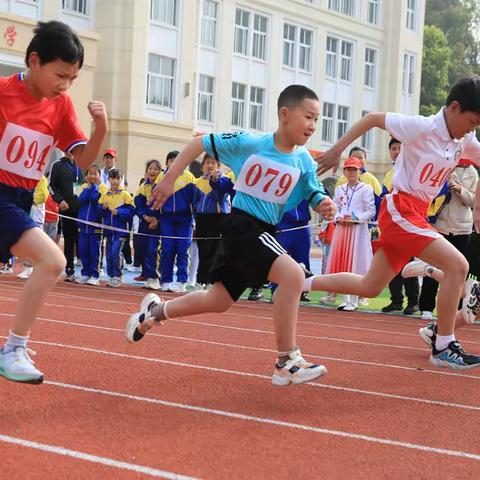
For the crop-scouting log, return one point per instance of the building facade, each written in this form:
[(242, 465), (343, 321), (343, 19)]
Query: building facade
[(170, 69)]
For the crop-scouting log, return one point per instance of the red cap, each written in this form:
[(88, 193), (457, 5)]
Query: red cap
[(110, 151), (352, 162)]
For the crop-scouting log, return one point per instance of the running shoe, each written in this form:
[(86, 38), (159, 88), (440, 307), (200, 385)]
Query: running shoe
[(17, 366), (428, 334), (454, 357), (417, 268), (296, 370), (132, 334), (471, 302)]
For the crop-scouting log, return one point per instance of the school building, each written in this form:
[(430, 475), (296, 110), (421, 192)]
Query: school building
[(170, 69)]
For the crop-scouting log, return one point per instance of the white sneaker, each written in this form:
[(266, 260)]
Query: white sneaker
[(114, 282), (330, 298), (349, 307), (166, 287), (471, 302), (17, 366), (77, 262), (93, 281), (426, 315), (362, 301), (6, 269), (129, 267), (25, 273), (69, 278), (152, 284), (83, 279), (131, 333), (296, 370), (178, 287), (416, 268)]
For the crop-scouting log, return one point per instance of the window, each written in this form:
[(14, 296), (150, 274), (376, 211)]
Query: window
[(289, 33), (411, 7), (209, 23), (76, 6), (305, 50), (238, 104), (367, 137), (256, 107), (347, 7), (332, 55), (205, 98), (346, 61), (240, 43), (259, 42), (373, 11), (327, 122), (342, 121), (370, 67), (408, 73), (164, 11), (160, 80)]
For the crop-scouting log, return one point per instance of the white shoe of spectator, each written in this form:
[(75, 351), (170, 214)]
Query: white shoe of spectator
[(178, 287), (362, 301), (114, 282), (93, 281), (166, 287), (6, 269), (330, 298), (83, 279), (77, 262), (426, 315), (25, 273), (152, 284), (349, 307), (70, 278), (129, 267)]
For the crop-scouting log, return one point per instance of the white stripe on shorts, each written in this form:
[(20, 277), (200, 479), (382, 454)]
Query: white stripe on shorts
[(270, 242)]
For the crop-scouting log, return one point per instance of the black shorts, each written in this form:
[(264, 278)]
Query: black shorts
[(247, 251)]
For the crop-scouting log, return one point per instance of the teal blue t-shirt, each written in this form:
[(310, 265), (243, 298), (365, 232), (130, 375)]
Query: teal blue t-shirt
[(267, 182)]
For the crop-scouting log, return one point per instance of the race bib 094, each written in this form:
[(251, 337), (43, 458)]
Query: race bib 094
[(267, 179), (25, 152)]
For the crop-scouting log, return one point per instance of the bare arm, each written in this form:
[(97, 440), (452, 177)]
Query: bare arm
[(331, 158)]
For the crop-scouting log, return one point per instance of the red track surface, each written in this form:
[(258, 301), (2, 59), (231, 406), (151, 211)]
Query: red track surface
[(194, 397)]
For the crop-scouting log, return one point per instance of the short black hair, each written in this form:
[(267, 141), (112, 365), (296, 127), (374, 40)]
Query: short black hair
[(206, 157), (153, 161), (356, 148), (467, 93), (172, 154), (392, 141), (95, 167), (114, 173), (293, 95), (55, 40)]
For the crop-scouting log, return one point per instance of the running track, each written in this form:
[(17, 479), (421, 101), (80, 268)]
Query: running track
[(194, 399)]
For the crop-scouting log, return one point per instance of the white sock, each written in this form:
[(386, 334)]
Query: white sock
[(15, 341), (307, 284), (442, 341)]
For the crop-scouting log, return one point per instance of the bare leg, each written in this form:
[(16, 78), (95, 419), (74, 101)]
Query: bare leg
[(48, 262)]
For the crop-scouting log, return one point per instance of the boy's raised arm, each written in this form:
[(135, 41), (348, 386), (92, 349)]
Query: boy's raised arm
[(164, 188)]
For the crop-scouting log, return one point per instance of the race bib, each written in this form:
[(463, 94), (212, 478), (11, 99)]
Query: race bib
[(25, 152), (267, 179), (430, 178)]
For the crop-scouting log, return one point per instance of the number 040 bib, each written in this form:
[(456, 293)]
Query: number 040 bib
[(25, 152), (267, 179)]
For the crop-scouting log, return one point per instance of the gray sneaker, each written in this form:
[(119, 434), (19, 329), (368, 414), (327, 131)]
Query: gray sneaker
[(17, 366)]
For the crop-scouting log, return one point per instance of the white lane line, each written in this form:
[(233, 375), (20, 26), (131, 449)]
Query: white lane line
[(270, 421), (257, 375), (110, 462)]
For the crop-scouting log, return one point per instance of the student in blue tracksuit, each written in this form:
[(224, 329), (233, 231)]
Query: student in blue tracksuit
[(149, 225), (211, 203), (116, 208), (176, 227), (90, 237)]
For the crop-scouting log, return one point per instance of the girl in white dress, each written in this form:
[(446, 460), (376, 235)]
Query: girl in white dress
[(351, 249)]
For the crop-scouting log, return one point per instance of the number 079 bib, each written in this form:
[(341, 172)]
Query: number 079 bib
[(25, 152), (267, 179)]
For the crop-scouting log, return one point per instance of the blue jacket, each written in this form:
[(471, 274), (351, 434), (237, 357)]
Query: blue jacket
[(122, 201), (89, 211), (213, 196), (181, 201), (298, 216), (142, 208)]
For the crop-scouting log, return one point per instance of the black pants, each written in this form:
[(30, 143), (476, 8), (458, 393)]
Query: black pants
[(138, 252), (428, 296), (411, 290), (207, 225), (70, 238)]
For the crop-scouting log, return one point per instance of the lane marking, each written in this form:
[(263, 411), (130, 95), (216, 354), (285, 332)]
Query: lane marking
[(110, 462)]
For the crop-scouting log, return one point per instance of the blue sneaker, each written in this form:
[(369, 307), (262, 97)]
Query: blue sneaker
[(429, 334), (454, 357)]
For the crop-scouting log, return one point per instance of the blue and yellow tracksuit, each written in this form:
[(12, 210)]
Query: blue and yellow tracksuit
[(176, 220), (148, 244), (90, 237), (296, 242), (211, 203), (122, 201)]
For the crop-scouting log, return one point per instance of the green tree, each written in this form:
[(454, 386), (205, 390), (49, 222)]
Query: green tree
[(435, 67)]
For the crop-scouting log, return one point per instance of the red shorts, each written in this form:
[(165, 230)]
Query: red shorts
[(404, 230)]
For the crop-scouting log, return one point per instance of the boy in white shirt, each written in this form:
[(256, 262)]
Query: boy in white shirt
[(432, 148)]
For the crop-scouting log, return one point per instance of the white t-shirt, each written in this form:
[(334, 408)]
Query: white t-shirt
[(428, 154)]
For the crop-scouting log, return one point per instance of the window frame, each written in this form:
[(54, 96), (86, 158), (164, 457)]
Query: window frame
[(163, 77), (206, 19)]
